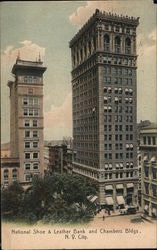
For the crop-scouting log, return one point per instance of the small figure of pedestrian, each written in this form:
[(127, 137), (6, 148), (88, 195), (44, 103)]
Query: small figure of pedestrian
[(103, 217), (109, 212)]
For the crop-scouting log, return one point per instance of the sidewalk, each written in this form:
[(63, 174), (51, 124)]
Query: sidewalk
[(112, 214)]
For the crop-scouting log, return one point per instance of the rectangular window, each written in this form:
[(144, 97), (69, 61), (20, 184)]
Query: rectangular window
[(149, 140), (27, 134), (105, 137), (105, 156), (30, 112), (27, 155), (116, 155), (110, 128), (35, 155), (35, 166), (144, 140), (110, 156), (35, 101), (36, 112), (105, 146), (25, 101), (120, 137), (35, 144), (27, 166), (27, 123), (109, 118), (35, 133), (110, 137), (30, 101), (35, 123), (27, 144), (110, 146), (25, 112), (121, 155), (153, 139)]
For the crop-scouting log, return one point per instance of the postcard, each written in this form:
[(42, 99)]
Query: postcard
[(79, 124)]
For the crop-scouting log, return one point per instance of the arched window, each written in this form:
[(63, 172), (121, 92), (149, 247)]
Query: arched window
[(85, 50), (127, 45), (89, 47), (77, 56), (6, 174), (81, 54), (14, 173), (74, 57), (117, 44), (94, 42), (106, 43)]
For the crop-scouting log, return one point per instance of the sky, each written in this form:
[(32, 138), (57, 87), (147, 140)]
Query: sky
[(47, 27)]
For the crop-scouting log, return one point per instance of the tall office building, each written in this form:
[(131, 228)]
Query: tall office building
[(148, 149), (26, 117), (104, 106)]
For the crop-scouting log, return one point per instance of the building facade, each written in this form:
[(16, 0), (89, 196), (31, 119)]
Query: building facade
[(26, 118), (148, 149), (104, 67)]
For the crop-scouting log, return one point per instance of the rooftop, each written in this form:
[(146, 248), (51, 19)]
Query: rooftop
[(105, 16), (37, 65)]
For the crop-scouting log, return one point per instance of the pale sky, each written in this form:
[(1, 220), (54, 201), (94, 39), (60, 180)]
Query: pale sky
[(47, 27)]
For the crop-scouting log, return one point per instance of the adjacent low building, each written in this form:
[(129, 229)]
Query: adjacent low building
[(148, 149)]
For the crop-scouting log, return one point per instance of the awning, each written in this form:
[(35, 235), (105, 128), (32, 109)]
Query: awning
[(127, 145), (105, 98), (110, 166), (130, 99), (116, 89), (94, 198), (119, 186), (116, 98), (153, 159), (121, 165), (109, 108), (109, 88), (130, 90), (131, 164), (117, 165), (109, 201), (146, 208), (105, 107), (131, 146), (126, 90), (126, 99), (109, 187), (106, 166), (130, 185), (127, 163), (120, 200)]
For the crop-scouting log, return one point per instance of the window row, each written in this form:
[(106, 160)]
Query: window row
[(30, 134), (117, 44), (117, 80), (30, 79), (30, 112), (31, 166), (118, 71), (30, 101), (149, 140), (6, 174), (29, 144), (119, 61), (29, 123), (34, 155)]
